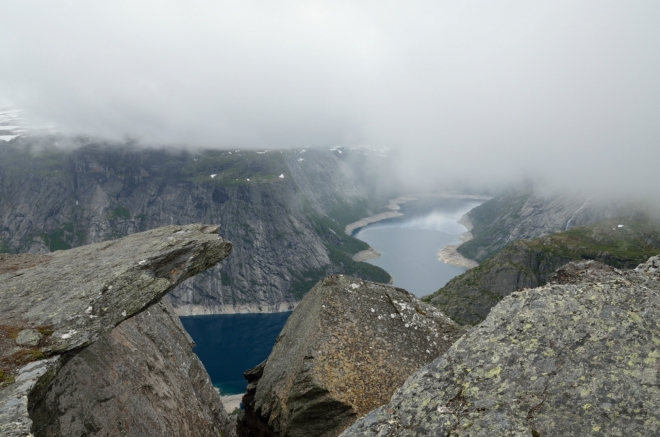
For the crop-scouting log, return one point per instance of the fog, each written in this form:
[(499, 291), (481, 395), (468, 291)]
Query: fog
[(477, 91)]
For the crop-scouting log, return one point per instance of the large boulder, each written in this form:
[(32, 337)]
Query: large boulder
[(55, 306), (142, 378), (345, 349), (579, 356)]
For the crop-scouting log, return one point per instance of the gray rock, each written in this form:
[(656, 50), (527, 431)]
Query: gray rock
[(28, 337), (579, 356), (140, 379), (74, 297), (54, 199), (528, 213), (343, 352), (467, 298)]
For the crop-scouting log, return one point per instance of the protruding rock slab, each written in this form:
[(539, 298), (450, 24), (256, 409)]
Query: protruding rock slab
[(577, 357), (140, 379), (71, 298), (345, 349)]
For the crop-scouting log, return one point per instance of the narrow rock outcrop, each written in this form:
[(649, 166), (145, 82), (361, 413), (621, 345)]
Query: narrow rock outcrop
[(579, 356), (56, 305), (140, 379), (345, 349)]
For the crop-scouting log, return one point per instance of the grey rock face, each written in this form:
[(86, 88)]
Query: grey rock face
[(52, 199), (576, 357), (526, 214), (140, 379), (74, 297), (468, 298), (28, 337), (343, 351)]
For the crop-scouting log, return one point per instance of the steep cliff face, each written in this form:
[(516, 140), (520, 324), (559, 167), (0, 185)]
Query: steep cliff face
[(575, 357), (58, 306), (284, 211), (621, 243), (139, 379), (524, 214), (343, 351)]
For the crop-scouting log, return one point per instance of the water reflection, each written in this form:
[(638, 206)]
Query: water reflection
[(409, 244)]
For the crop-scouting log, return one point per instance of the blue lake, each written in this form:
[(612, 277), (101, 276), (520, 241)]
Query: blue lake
[(229, 344), (409, 244)]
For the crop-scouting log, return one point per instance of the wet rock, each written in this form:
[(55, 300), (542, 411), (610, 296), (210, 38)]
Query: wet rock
[(343, 352), (579, 356), (73, 298)]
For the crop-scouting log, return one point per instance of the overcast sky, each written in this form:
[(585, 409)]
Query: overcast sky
[(568, 91)]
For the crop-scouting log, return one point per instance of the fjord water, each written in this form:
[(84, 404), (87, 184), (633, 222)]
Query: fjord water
[(409, 244), (229, 344)]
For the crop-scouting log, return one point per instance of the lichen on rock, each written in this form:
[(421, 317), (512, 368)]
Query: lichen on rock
[(345, 349), (579, 356), (67, 300)]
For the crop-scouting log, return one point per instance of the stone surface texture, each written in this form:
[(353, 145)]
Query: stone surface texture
[(620, 243), (52, 198), (527, 213), (72, 298), (140, 379), (345, 349), (579, 356)]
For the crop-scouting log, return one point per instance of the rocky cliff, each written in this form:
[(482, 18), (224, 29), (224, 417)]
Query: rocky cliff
[(343, 352), (621, 243), (285, 211), (526, 213), (86, 349), (576, 357)]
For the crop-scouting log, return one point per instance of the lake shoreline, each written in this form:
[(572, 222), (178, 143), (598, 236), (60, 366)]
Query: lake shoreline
[(394, 208), (199, 310), (449, 254)]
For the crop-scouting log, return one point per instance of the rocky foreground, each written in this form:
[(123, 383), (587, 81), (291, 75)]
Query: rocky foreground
[(345, 349), (87, 348), (579, 356)]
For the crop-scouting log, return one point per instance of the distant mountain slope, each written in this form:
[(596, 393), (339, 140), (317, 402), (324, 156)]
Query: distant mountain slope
[(525, 213), (621, 243), (283, 211)]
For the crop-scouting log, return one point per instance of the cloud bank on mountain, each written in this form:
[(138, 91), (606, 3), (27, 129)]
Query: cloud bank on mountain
[(465, 90)]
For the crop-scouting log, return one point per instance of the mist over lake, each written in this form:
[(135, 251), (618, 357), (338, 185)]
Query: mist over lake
[(409, 244)]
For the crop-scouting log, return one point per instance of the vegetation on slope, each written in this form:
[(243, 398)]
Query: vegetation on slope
[(621, 243)]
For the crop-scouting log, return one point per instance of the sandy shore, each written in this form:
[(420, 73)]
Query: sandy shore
[(394, 208), (200, 310), (449, 255), (366, 255), (231, 402)]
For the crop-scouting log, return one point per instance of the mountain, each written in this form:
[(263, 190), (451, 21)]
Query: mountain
[(285, 211), (527, 212), (621, 243)]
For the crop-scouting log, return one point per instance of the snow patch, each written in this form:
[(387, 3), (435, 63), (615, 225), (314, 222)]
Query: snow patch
[(69, 334), (282, 176), (213, 175)]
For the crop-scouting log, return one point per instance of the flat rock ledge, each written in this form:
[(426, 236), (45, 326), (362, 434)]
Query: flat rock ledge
[(57, 304), (579, 356), (344, 350)]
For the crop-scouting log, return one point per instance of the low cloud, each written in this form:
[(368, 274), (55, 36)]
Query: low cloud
[(484, 92)]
